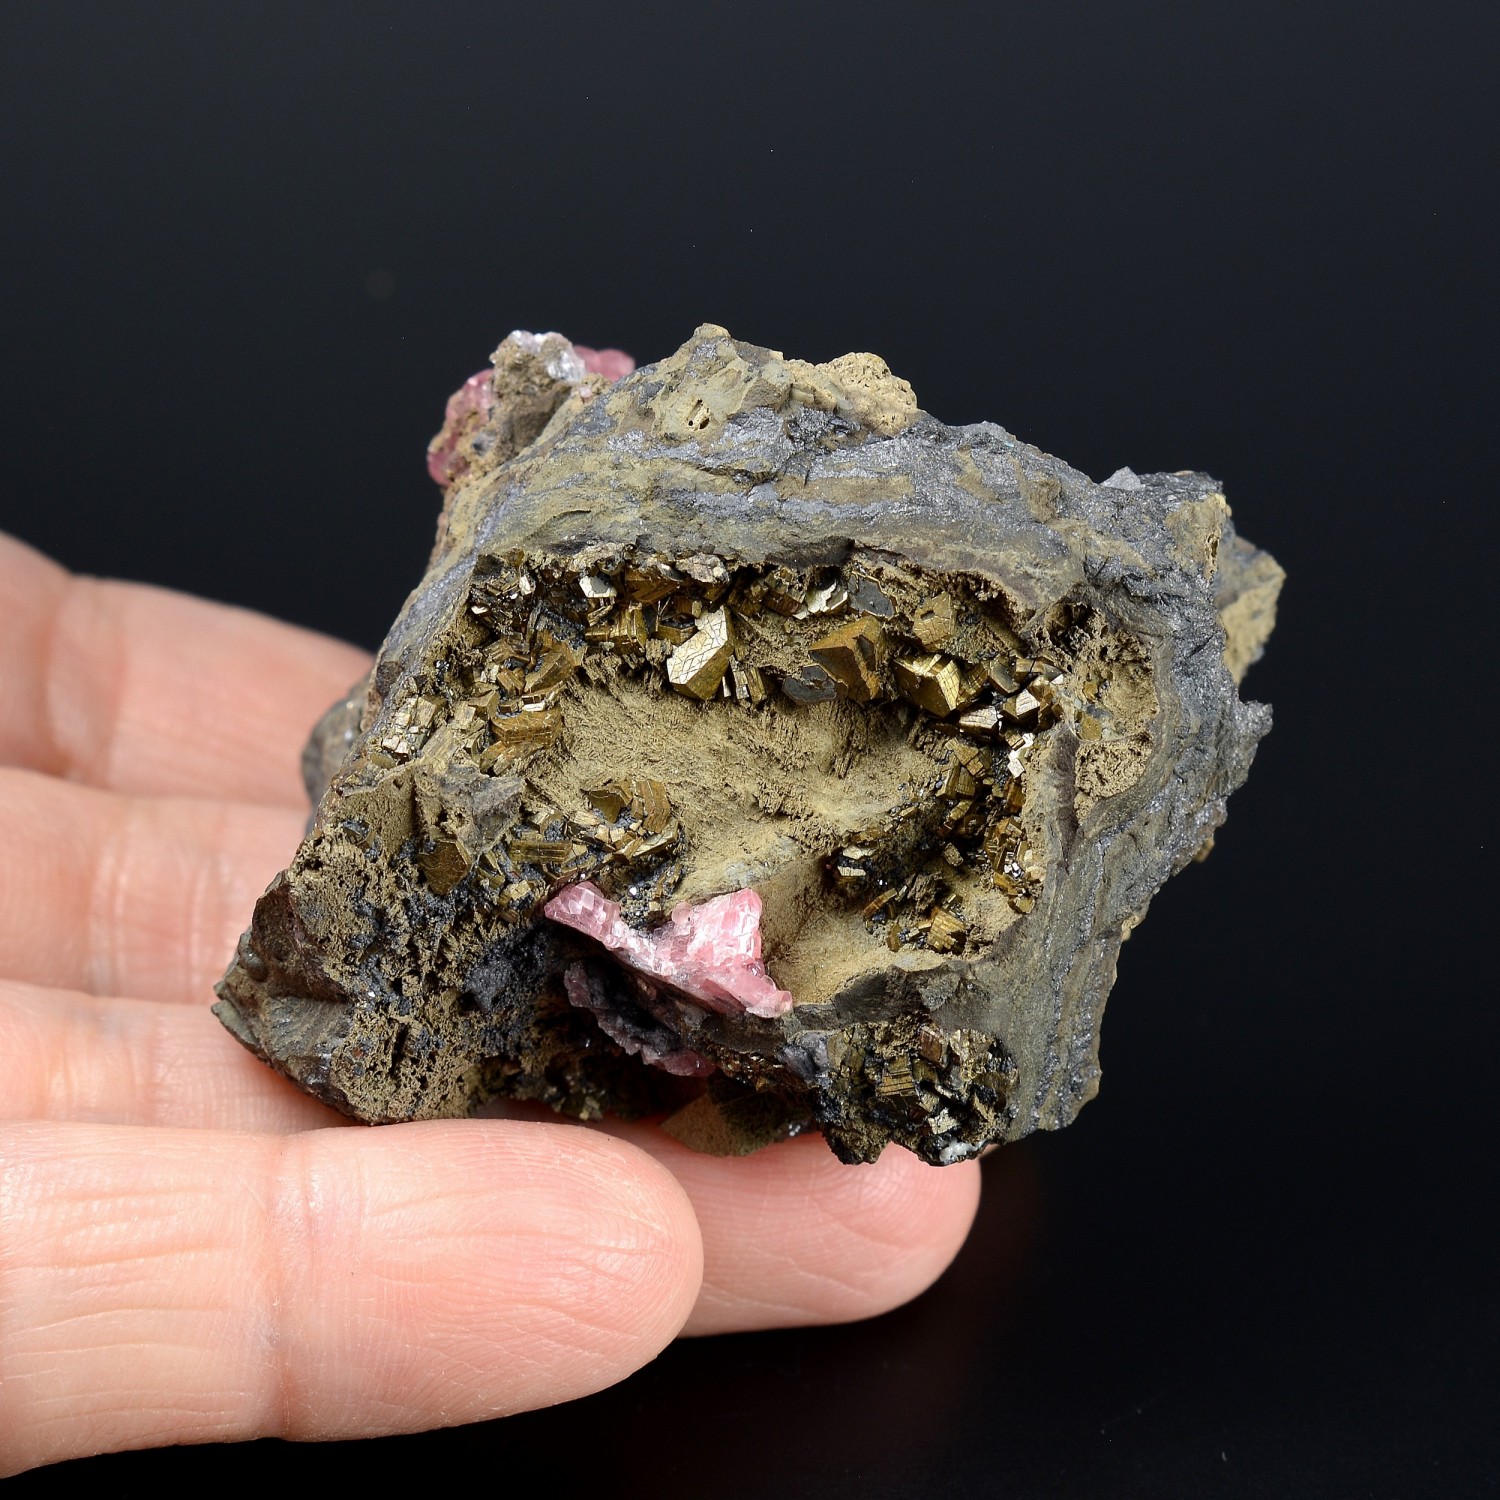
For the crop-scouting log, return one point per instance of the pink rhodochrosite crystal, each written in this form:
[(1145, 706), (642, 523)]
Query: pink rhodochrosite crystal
[(466, 409), (710, 951), (652, 1044), (612, 364), (473, 400)]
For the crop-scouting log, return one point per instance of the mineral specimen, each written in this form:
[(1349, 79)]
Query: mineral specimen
[(760, 752)]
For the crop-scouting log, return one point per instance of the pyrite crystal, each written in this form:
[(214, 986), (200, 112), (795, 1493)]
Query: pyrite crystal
[(760, 752)]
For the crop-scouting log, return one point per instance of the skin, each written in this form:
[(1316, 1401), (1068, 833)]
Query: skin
[(191, 1250)]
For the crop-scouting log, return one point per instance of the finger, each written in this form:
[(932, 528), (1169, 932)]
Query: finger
[(66, 1056), (125, 895), (166, 1287), (145, 691), (791, 1235)]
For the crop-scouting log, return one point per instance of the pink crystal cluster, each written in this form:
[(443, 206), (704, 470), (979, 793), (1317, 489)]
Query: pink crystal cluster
[(652, 1043), (470, 404), (467, 408), (612, 364), (710, 952)]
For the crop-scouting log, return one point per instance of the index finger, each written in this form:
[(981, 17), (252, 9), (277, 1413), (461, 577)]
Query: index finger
[(142, 690)]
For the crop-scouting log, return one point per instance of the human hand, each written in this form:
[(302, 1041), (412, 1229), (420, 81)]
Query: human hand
[(190, 1249)]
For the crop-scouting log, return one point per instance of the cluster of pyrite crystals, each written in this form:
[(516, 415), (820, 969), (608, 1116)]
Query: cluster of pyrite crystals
[(931, 710), (974, 699)]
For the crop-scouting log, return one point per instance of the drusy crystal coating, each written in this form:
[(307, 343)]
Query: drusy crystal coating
[(760, 752)]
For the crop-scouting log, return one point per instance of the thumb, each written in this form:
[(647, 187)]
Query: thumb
[(163, 1286)]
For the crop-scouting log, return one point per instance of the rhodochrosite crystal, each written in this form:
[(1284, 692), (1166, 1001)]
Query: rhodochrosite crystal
[(473, 401), (760, 752), (709, 952)]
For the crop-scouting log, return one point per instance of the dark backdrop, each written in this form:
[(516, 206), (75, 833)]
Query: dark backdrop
[(247, 253)]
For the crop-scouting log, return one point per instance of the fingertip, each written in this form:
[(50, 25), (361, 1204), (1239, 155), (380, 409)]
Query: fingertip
[(905, 1222), (630, 1232), (873, 1236), (794, 1236)]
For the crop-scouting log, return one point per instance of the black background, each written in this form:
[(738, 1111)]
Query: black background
[(247, 253)]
